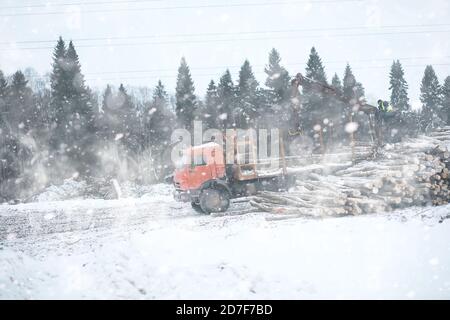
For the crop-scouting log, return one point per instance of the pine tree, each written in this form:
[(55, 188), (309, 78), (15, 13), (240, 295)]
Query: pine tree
[(405, 120), (337, 117), (399, 88), (353, 92), (315, 108), (185, 97), (314, 67), (107, 119), (3, 85), (349, 85), (247, 97), (59, 88), (3, 98), (161, 119), (226, 100), (360, 92), (430, 96), (128, 126), (160, 95), (211, 113), (337, 84), (277, 77), (446, 101), (19, 102), (158, 123), (73, 111)]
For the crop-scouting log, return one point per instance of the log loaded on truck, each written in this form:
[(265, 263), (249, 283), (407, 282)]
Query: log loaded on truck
[(209, 180)]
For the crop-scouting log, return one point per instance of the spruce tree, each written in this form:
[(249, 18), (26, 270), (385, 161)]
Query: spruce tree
[(3, 97), (315, 108), (446, 100), (20, 103), (337, 84), (405, 120), (277, 77), (314, 67), (352, 91), (399, 88), (226, 100), (211, 114), (128, 126), (3, 85), (349, 85), (337, 117), (247, 97), (158, 122), (185, 97), (107, 120), (59, 89), (161, 123), (430, 96), (160, 95), (72, 110)]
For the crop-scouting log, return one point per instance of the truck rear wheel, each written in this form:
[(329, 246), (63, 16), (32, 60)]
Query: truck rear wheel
[(214, 200)]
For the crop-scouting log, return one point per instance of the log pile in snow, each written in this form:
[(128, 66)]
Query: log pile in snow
[(413, 172)]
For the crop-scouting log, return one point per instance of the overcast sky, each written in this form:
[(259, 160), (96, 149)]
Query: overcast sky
[(136, 43)]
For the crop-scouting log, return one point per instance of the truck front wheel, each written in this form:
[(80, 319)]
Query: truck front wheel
[(196, 207), (214, 200)]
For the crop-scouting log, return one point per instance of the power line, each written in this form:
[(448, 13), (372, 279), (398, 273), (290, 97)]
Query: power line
[(263, 65), (208, 34), (205, 6), (46, 5), (258, 72), (258, 65), (237, 39)]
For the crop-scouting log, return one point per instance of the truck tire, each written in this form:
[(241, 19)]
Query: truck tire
[(197, 208), (214, 200)]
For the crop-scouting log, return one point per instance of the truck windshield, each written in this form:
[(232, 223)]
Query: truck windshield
[(182, 162)]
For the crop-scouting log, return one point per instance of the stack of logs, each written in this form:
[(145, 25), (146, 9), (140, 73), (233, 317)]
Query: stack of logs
[(413, 172)]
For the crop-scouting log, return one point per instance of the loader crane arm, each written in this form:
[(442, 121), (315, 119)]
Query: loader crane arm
[(326, 90)]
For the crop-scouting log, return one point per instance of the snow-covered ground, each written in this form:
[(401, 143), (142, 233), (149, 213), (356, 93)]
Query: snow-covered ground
[(153, 247)]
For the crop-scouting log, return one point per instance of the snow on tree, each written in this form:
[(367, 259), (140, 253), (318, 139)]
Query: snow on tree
[(226, 99), (446, 101), (161, 119), (349, 84), (277, 76), (315, 105), (3, 86), (185, 97), (405, 120), (159, 122), (336, 83), (430, 96), (72, 112), (129, 127), (353, 92), (247, 97), (275, 102), (399, 88), (19, 104), (211, 108)]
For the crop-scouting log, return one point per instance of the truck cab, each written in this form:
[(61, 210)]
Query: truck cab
[(200, 178)]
